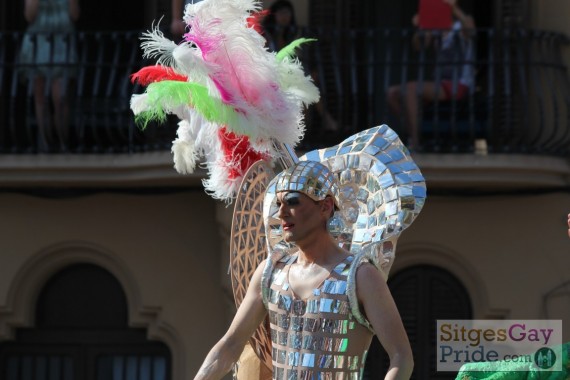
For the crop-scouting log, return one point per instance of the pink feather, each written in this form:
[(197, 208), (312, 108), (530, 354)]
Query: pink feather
[(238, 77)]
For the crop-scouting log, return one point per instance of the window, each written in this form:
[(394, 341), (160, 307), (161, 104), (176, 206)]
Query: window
[(81, 333), (423, 295)]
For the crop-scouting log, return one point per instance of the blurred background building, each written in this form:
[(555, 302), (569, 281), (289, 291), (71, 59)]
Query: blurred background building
[(113, 266)]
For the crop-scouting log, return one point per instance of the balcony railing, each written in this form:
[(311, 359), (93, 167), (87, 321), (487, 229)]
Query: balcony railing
[(519, 101), (94, 102)]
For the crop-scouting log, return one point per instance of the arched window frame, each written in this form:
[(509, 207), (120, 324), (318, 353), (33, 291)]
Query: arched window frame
[(19, 309)]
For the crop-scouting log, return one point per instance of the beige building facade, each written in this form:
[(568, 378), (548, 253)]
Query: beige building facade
[(494, 223), (169, 249)]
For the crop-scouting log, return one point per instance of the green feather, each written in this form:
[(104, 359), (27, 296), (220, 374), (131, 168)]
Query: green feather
[(289, 50), (167, 95)]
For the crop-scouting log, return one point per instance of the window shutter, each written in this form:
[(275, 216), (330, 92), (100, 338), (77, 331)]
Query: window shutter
[(423, 295)]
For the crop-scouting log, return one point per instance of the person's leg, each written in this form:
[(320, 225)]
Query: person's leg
[(429, 93), (396, 104), (411, 99), (42, 114), (405, 98), (394, 99), (61, 111)]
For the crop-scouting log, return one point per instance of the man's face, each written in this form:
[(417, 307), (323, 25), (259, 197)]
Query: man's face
[(300, 215)]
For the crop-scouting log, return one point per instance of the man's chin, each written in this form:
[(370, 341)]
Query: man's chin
[(288, 237)]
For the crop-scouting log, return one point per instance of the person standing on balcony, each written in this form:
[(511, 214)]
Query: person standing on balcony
[(453, 82), (279, 26), (47, 54), (279, 29), (307, 294)]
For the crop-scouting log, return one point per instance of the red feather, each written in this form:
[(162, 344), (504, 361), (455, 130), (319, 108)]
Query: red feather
[(157, 73), (254, 21), (239, 155)]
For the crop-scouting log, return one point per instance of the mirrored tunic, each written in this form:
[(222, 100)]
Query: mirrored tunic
[(317, 337)]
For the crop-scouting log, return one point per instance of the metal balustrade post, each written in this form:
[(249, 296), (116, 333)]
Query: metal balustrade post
[(535, 66), (491, 86), (521, 65), (550, 68), (386, 64)]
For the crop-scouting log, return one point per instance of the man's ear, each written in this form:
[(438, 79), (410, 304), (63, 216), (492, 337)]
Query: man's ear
[(327, 206)]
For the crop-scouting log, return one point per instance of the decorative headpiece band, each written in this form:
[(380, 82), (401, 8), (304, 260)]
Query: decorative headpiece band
[(309, 177)]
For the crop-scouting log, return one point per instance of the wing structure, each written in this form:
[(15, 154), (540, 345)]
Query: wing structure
[(248, 248)]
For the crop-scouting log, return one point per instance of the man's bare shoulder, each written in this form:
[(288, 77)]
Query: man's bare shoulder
[(368, 272), (369, 281)]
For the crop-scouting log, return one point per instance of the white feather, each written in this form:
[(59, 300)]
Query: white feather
[(155, 45), (139, 103), (184, 156), (188, 61), (293, 80)]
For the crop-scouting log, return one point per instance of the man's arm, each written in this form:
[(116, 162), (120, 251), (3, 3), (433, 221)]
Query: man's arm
[(467, 22), (226, 352), (73, 10), (381, 311), (31, 10), (421, 38)]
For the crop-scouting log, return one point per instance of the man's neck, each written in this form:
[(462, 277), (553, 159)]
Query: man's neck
[(321, 250)]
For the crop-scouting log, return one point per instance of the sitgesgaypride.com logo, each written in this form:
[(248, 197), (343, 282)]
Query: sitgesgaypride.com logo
[(499, 345)]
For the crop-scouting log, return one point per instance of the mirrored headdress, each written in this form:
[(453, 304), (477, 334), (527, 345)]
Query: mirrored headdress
[(308, 177), (379, 191)]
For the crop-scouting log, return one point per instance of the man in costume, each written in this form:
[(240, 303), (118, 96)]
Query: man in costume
[(240, 107), (313, 331)]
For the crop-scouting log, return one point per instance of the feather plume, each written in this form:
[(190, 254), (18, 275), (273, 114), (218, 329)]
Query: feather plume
[(233, 96)]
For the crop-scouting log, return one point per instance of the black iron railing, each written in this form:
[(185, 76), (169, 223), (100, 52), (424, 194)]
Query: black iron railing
[(94, 103), (519, 100)]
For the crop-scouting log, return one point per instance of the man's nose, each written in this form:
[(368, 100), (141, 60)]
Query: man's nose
[(282, 210)]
